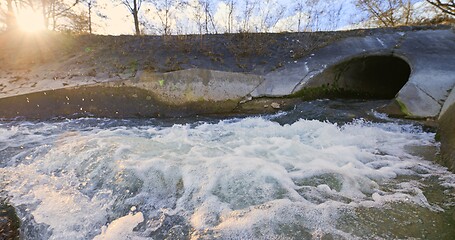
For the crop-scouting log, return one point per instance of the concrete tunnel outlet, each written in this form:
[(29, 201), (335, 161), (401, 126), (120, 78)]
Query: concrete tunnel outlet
[(374, 77)]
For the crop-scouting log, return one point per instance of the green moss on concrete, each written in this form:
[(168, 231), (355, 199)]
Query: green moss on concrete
[(329, 91), (403, 108)]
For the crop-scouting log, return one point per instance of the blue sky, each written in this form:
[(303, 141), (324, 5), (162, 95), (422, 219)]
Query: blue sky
[(325, 15), (332, 14), (267, 16)]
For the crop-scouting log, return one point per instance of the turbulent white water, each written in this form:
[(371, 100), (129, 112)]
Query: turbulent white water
[(246, 178)]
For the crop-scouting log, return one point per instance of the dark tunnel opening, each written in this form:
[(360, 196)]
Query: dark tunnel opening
[(378, 76), (375, 77)]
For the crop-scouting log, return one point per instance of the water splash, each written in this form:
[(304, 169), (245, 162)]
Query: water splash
[(243, 178)]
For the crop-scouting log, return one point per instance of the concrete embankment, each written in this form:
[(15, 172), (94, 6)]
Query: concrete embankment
[(175, 94), (414, 68), (422, 61), (446, 133)]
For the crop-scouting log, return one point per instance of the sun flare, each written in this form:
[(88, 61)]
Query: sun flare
[(30, 21)]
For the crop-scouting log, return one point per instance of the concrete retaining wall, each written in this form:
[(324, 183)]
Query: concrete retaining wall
[(197, 85), (175, 94), (429, 53), (446, 132)]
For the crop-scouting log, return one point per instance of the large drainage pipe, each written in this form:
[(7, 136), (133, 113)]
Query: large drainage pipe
[(376, 77)]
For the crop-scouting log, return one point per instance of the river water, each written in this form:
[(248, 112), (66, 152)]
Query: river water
[(325, 170)]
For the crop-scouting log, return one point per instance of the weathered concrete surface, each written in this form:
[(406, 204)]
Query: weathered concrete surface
[(175, 94), (294, 77), (431, 56), (448, 103), (103, 100), (429, 53), (193, 85), (446, 132)]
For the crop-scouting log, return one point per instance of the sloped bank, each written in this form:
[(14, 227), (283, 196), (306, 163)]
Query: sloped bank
[(446, 133), (176, 94)]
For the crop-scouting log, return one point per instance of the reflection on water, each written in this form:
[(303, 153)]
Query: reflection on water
[(326, 170)]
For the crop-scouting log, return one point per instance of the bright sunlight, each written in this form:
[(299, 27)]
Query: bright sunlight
[(30, 21)]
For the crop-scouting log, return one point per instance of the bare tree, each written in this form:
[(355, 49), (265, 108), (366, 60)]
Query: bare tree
[(447, 7), (334, 17), (208, 16), (133, 7), (198, 17), (165, 12), (248, 10), (299, 10), (10, 18), (93, 9), (58, 14), (90, 5), (314, 13), (203, 17), (388, 13), (76, 23), (230, 15), (270, 12), (54, 10)]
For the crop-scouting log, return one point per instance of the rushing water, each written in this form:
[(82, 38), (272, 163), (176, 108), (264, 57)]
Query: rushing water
[(327, 170)]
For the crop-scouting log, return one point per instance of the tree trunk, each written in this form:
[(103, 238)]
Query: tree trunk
[(136, 19), (11, 21), (45, 16), (54, 17), (90, 17), (136, 24)]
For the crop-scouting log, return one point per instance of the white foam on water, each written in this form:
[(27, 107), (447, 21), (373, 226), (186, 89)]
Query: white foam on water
[(121, 228), (249, 178)]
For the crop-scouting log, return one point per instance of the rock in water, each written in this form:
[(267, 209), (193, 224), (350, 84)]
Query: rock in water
[(275, 105), (9, 222)]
